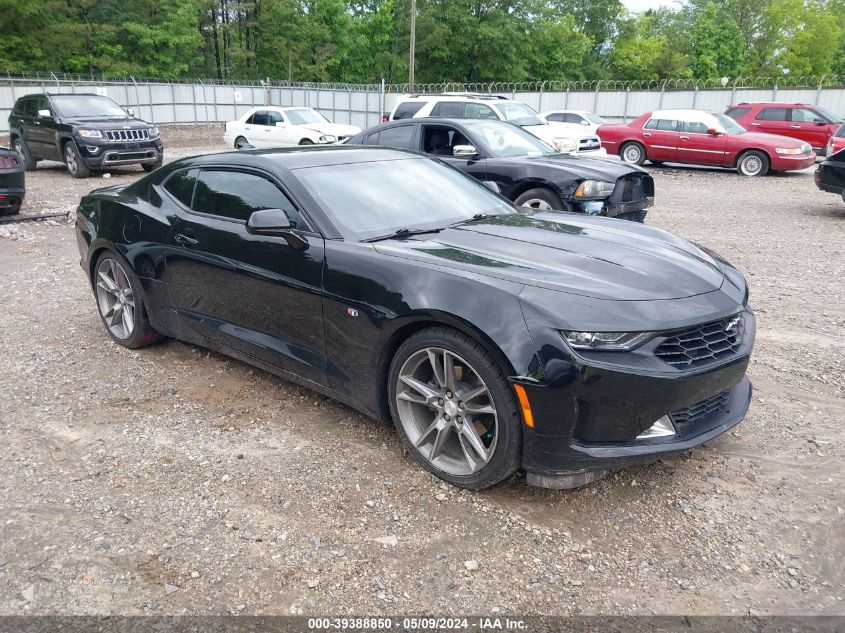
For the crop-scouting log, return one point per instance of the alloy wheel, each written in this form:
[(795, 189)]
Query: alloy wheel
[(537, 203), (631, 154), (447, 411), (115, 298), (70, 160), (751, 165)]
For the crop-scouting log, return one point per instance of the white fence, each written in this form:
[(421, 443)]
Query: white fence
[(363, 105)]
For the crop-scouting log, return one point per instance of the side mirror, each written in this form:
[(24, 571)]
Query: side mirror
[(583, 122), (275, 223), (713, 131), (464, 151), (493, 186), (44, 114), (820, 122), (130, 111)]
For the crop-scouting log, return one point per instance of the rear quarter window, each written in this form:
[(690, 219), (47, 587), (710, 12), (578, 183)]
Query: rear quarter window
[(399, 136), (449, 109), (840, 133), (181, 185), (737, 113), (407, 109)]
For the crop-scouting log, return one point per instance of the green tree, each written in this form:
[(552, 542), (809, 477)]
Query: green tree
[(716, 44)]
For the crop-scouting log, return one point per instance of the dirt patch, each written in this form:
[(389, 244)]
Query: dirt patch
[(174, 480)]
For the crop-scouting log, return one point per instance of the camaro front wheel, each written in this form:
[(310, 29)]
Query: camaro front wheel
[(454, 408), (119, 303)]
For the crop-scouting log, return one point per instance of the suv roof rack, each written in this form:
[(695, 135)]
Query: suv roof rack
[(472, 95)]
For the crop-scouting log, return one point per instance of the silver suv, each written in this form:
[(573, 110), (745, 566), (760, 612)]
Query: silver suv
[(465, 105)]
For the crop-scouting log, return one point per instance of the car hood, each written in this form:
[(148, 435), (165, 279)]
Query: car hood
[(586, 168), (771, 139), (546, 132), (107, 123), (595, 257), (335, 129)]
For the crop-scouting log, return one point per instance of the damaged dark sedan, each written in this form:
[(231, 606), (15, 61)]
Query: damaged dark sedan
[(495, 338), (522, 167)]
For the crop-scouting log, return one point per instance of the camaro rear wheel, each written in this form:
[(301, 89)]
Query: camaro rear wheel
[(119, 302), (75, 165), (753, 163), (633, 153), (454, 408), (541, 199), (20, 147)]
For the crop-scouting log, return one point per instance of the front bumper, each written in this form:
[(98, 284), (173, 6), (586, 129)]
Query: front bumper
[(12, 190), (100, 155), (781, 162), (590, 417)]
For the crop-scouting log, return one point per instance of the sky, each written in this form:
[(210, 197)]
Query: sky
[(643, 5)]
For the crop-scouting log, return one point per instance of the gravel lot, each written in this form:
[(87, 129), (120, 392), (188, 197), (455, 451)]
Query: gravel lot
[(173, 480)]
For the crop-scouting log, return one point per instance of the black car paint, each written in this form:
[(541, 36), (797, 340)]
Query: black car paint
[(46, 137), (12, 182), (330, 316), (830, 174), (561, 173)]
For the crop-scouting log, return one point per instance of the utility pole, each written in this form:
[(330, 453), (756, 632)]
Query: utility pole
[(413, 45)]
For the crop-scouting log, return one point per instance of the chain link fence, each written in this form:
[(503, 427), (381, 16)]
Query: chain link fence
[(203, 101)]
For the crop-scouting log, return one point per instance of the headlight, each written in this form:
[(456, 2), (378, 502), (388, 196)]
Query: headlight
[(328, 138), (792, 151), (154, 132), (564, 145), (90, 133), (607, 341), (594, 190)]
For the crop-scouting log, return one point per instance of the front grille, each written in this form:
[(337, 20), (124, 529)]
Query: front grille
[(634, 187), (695, 412), (702, 344), (589, 143), (127, 135)]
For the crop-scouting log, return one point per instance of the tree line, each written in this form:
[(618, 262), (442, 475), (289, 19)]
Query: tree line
[(363, 41)]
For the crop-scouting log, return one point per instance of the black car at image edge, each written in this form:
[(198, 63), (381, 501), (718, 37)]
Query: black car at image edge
[(494, 338), (87, 132), (524, 169), (12, 182), (830, 174)]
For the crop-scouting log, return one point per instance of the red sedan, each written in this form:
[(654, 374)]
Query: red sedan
[(836, 142), (704, 138)]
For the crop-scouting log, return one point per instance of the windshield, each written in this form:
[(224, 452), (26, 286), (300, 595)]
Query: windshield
[(833, 118), (372, 199), (304, 116), (594, 118), (731, 126), (86, 106), (518, 114), (503, 139)]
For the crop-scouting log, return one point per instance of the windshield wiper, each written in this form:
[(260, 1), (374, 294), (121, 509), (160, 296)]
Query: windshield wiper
[(475, 218), (403, 233)]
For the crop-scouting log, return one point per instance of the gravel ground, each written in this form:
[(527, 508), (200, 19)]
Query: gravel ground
[(173, 480)]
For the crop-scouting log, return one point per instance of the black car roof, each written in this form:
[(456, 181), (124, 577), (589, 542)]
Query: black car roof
[(296, 157)]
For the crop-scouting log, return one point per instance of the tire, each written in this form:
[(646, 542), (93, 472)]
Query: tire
[(29, 163), (541, 199), (10, 210), (753, 163), (74, 162), (148, 167), (656, 163), (240, 142), (457, 432), (113, 273), (632, 153), (306, 141)]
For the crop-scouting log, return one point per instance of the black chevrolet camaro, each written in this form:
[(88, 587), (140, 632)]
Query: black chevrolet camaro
[(525, 169), (494, 339)]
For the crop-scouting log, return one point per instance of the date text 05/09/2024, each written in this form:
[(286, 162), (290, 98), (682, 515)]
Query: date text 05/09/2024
[(416, 624)]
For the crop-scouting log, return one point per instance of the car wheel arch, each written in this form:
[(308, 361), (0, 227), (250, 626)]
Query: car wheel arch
[(521, 186), (410, 325), (745, 150)]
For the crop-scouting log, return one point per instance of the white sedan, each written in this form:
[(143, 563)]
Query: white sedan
[(586, 120), (268, 126)]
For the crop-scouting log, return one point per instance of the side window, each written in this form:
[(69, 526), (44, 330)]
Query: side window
[(736, 113), (558, 117), (235, 195), (181, 185), (273, 118), (479, 111), (804, 115), (449, 109), (574, 118), (399, 136), (407, 109), (251, 119), (772, 114), (41, 103), (372, 139), (666, 125), (695, 127)]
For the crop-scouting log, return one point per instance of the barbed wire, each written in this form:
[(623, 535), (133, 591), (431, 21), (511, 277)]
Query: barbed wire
[(743, 82)]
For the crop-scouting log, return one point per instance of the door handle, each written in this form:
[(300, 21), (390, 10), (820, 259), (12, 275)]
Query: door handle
[(756, 124), (247, 128), (647, 134), (185, 240), (684, 138), (795, 127)]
